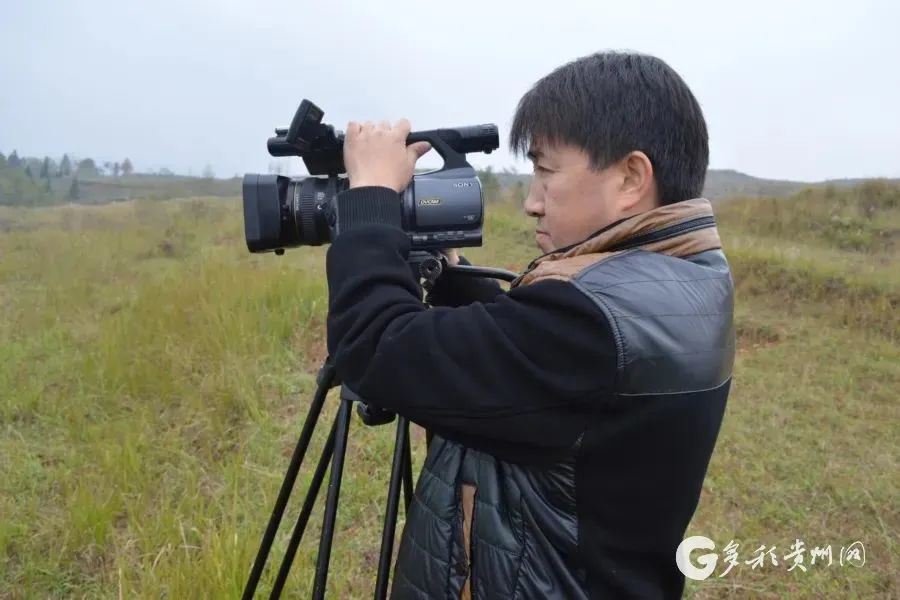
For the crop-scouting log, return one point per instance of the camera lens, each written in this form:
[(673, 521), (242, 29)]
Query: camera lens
[(311, 207), (280, 212)]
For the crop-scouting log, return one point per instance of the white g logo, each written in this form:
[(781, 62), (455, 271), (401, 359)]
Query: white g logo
[(707, 561)]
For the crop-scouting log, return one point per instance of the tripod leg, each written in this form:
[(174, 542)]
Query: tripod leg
[(326, 377), (401, 448), (342, 424), (407, 473), (302, 520)]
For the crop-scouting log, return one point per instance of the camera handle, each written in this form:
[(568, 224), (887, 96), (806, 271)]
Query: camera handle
[(430, 264)]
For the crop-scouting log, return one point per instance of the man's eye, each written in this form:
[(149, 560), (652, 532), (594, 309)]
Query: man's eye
[(540, 169)]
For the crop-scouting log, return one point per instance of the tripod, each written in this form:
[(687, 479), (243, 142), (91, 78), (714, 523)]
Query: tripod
[(424, 265)]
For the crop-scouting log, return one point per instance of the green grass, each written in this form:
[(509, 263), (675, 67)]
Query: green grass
[(154, 377)]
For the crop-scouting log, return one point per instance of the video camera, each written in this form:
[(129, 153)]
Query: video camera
[(441, 209)]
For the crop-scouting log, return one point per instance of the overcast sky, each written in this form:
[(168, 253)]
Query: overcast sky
[(790, 89)]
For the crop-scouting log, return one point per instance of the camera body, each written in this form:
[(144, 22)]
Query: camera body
[(440, 209)]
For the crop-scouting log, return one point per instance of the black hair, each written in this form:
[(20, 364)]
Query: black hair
[(612, 103)]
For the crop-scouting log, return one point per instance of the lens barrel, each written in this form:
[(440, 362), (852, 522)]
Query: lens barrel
[(280, 212), (313, 197)]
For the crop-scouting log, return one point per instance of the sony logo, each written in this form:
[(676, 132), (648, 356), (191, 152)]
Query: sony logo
[(463, 184)]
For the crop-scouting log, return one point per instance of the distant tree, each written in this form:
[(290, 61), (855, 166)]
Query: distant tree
[(74, 193), (13, 160), (45, 168), (127, 167), (65, 167), (2, 160), (490, 185), (519, 191), (166, 172), (208, 172), (87, 166), (116, 169), (18, 188), (47, 187)]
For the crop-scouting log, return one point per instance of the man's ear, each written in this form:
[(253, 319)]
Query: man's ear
[(638, 183)]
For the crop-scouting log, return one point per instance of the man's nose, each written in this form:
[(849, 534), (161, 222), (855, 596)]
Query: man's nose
[(534, 207)]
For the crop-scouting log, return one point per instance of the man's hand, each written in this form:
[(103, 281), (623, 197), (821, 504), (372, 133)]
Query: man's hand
[(452, 255), (378, 154)]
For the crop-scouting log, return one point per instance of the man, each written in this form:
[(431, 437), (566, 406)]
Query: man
[(574, 415)]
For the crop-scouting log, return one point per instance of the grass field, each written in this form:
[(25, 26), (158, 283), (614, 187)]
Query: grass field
[(154, 377)]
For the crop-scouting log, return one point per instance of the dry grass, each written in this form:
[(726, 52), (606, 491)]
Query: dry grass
[(153, 379)]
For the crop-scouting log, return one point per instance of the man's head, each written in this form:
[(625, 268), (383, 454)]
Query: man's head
[(611, 135)]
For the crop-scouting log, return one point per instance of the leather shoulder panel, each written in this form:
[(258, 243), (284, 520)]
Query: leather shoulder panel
[(672, 317)]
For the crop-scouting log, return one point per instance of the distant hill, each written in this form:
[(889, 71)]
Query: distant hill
[(725, 183), (19, 189), (23, 185), (100, 190)]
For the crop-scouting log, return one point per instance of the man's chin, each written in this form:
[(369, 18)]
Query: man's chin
[(543, 242)]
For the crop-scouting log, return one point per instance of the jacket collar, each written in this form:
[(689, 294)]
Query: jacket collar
[(677, 229)]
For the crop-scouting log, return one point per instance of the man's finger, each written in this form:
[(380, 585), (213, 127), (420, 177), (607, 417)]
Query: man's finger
[(384, 125), (418, 150), (402, 127)]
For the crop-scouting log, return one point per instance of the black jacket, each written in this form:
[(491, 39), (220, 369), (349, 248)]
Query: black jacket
[(574, 415)]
